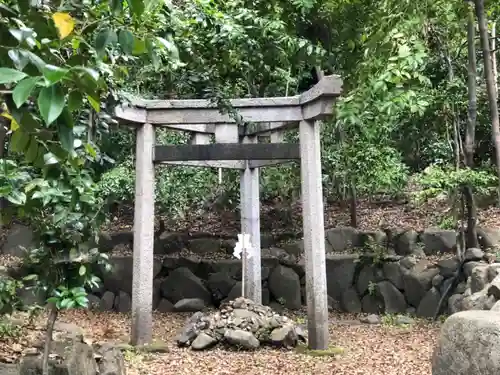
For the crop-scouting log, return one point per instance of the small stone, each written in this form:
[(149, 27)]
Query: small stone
[(203, 341), (494, 288), (479, 278), (404, 320), (30, 351), (165, 306), (371, 319), (437, 280), (284, 337), (473, 254), (190, 305), (241, 338)]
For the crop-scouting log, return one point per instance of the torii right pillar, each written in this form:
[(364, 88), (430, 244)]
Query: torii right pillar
[(314, 234)]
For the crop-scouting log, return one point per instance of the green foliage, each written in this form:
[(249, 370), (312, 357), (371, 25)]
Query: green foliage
[(8, 329), (59, 66), (447, 222), (8, 295), (117, 184), (436, 180)]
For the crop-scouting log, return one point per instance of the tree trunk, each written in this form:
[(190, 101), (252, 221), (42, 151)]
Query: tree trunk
[(470, 130), (353, 205), (467, 198), (490, 84), (494, 55), (51, 321), (3, 141)]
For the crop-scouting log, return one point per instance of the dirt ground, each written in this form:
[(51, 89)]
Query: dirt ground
[(286, 218), (361, 349)]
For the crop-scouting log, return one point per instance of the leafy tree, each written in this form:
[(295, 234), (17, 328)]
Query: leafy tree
[(57, 63)]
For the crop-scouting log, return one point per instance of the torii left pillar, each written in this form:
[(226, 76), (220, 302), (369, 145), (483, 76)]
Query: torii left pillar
[(143, 258)]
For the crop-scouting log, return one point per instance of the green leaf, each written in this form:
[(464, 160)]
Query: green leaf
[(136, 6), (19, 141), (139, 47), (94, 103), (37, 195), (155, 59), (23, 90), (82, 270), (8, 75), (65, 131), (49, 159), (54, 73), (126, 40), (17, 197), (51, 103), (103, 39), (5, 10), (116, 6), (82, 301), (32, 151), (170, 46), (74, 100), (88, 71), (19, 58)]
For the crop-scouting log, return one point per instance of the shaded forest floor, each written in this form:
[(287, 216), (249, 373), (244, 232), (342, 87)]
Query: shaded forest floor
[(363, 349), (281, 217), (366, 349)]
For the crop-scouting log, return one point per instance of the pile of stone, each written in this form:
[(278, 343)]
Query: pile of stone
[(481, 288), (243, 324), (70, 354)]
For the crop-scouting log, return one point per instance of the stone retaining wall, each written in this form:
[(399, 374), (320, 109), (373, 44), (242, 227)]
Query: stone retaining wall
[(355, 284), (365, 273)]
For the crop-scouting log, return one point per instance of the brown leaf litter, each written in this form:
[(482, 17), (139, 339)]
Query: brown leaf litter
[(366, 349)]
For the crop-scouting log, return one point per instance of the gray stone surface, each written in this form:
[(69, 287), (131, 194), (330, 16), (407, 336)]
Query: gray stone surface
[(341, 238), (488, 237), (438, 241), (393, 299), (447, 267), (369, 274), (372, 305), (181, 283), (340, 274), (284, 285), (418, 281), (165, 306), (123, 302), (428, 305), (468, 344), (479, 278), (20, 237), (190, 305), (393, 273), (406, 243), (473, 253), (350, 301)]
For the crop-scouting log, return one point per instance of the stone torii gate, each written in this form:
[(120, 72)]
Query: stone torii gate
[(237, 148)]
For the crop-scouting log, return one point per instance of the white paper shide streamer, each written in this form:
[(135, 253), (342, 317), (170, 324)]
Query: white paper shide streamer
[(243, 250)]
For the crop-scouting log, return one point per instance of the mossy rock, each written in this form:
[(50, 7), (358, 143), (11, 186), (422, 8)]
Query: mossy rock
[(332, 351)]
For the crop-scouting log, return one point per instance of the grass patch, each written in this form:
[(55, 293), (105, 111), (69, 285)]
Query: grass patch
[(332, 351)]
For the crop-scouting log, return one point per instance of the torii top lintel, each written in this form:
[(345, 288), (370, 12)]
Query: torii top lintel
[(314, 104)]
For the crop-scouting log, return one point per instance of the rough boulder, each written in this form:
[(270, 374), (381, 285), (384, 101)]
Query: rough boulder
[(469, 344)]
